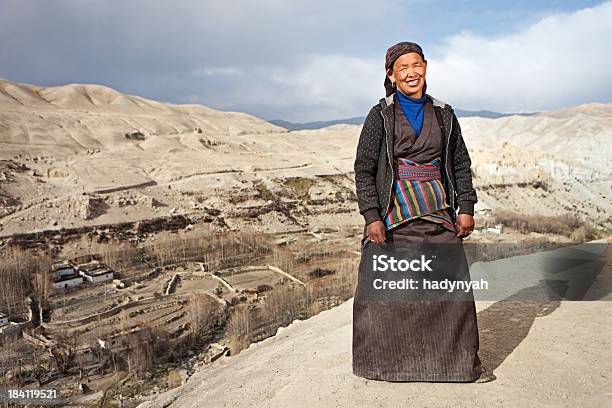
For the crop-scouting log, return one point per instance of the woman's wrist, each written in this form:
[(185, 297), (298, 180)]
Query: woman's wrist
[(371, 215), (466, 207)]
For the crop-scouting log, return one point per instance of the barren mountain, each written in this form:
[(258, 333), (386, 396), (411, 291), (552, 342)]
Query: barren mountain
[(82, 154)]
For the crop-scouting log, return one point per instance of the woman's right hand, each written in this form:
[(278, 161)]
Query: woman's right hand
[(376, 232)]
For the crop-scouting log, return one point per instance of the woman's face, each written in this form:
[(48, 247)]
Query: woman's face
[(409, 74)]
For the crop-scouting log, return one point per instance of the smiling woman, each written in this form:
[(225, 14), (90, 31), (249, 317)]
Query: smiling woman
[(412, 172)]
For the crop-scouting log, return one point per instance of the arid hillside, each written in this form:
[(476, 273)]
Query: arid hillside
[(82, 155)]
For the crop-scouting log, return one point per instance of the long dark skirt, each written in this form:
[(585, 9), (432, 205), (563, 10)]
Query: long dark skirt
[(426, 340)]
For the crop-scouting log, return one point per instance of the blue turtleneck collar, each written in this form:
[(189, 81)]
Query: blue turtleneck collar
[(413, 108)]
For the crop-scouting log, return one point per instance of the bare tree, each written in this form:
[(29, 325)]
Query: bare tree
[(203, 314), (238, 329), (16, 267), (41, 286), (140, 355)]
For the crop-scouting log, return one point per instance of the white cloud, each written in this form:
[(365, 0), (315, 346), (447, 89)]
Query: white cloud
[(334, 86), (216, 71), (562, 60), (300, 61), (315, 87)]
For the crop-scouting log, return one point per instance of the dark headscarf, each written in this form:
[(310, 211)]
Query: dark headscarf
[(394, 53)]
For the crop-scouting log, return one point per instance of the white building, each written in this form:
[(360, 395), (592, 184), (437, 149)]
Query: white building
[(11, 327), (95, 272), (497, 229), (67, 281), (97, 275), (6, 326)]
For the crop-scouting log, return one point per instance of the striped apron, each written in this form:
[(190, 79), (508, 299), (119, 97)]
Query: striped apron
[(418, 192)]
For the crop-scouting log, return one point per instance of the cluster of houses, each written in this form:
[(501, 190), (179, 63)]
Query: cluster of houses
[(66, 274)]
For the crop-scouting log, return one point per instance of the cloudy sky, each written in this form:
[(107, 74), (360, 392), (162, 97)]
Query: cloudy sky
[(306, 60)]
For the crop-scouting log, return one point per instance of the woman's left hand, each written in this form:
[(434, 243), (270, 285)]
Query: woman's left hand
[(464, 224)]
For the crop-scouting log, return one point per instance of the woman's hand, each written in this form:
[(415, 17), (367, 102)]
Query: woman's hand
[(376, 232), (465, 225)]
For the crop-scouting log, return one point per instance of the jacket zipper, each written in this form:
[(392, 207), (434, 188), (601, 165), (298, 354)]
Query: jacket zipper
[(367, 238), (446, 164), (390, 165)]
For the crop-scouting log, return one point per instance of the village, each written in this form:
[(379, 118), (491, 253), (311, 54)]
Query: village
[(149, 314)]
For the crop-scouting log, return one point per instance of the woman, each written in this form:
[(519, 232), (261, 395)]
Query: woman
[(414, 185)]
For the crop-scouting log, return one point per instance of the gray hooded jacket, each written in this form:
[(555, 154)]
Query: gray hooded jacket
[(374, 172)]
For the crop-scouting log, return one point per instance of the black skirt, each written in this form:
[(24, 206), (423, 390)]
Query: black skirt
[(422, 340)]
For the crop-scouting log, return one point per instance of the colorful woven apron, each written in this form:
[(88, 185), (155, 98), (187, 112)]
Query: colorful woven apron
[(418, 193)]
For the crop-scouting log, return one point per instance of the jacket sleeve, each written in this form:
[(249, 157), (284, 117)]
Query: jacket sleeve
[(466, 195), (366, 163)]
